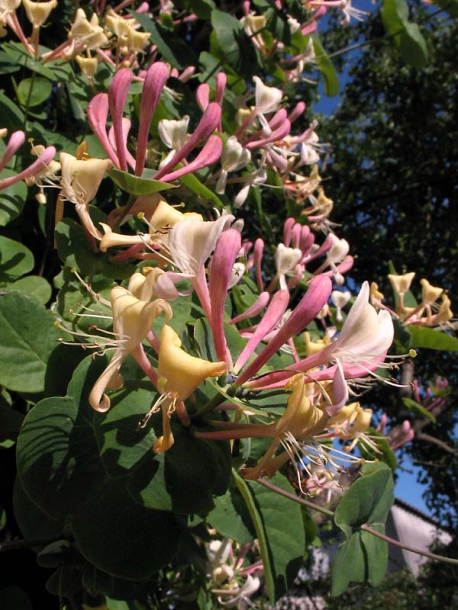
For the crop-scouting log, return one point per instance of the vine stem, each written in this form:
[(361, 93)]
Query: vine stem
[(364, 527), (295, 498), (450, 560)]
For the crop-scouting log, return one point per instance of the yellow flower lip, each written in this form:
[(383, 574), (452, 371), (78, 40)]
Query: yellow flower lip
[(180, 373)]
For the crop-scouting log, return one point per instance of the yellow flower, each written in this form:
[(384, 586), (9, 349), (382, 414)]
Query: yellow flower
[(300, 421), (179, 372), (132, 321), (179, 375), (38, 12)]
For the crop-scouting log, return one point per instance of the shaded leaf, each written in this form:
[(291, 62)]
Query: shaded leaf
[(28, 339), (12, 199), (15, 260)]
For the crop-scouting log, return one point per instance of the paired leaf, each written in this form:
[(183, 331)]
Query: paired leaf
[(362, 558)]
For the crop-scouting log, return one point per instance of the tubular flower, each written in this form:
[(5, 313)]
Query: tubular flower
[(132, 321), (301, 421), (81, 178), (179, 375)]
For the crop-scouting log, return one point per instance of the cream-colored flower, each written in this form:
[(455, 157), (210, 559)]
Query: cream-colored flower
[(38, 12), (132, 321)]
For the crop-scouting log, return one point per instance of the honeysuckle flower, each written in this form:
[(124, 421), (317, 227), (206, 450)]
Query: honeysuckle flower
[(340, 299), (429, 296), (179, 374), (9, 17), (233, 158), (286, 260), (376, 297), (117, 96), (84, 34), (111, 239), (352, 423), (38, 12), (88, 65), (272, 316), (267, 100), (257, 177), (361, 346), (174, 134), (191, 241), (300, 422), (304, 312), (366, 335), (81, 178), (132, 321), (227, 248), (344, 5), (240, 596), (312, 347), (401, 283)]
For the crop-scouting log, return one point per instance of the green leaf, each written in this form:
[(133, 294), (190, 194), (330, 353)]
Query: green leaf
[(33, 522), (231, 518), (326, 67), (12, 199), (413, 46), (138, 186), (15, 260), (279, 529), (35, 286), (18, 53), (187, 477), (421, 336), (173, 49), (34, 91), (416, 407), (121, 537), (367, 502), (202, 8), (236, 48), (12, 116), (204, 193), (75, 463), (28, 339), (407, 35)]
